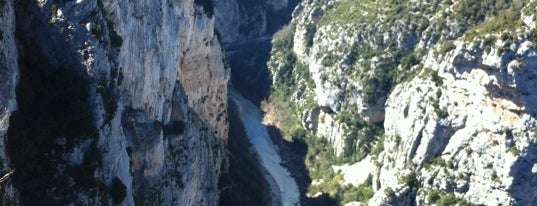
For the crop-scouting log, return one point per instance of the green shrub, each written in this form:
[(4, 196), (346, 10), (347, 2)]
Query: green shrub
[(514, 151), (441, 113), (439, 161), (108, 94), (96, 31), (447, 47), (409, 180), (433, 196), (506, 18), (489, 40), (115, 40), (409, 60), (448, 200), (389, 192), (365, 190), (379, 147), (330, 60), (436, 79), (53, 14), (310, 33), (360, 137), (445, 199)]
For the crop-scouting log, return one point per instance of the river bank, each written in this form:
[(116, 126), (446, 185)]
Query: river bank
[(270, 159), (293, 158), (245, 182)]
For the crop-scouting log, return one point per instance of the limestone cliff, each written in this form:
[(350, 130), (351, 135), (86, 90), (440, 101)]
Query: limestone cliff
[(439, 93), (150, 74), (241, 20), (470, 131), (8, 80)]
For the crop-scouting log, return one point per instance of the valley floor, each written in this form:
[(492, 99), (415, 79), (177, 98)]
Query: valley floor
[(251, 117)]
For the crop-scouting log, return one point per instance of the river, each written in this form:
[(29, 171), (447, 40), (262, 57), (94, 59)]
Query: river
[(252, 117)]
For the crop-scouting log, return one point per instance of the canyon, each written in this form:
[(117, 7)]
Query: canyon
[(324, 102)]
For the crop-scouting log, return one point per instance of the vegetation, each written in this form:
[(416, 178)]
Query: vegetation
[(53, 14), (439, 161), (432, 75), (447, 47), (332, 185), (115, 40), (442, 198), (353, 12), (361, 137), (505, 16), (494, 176), (377, 63), (410, 180), (52, 118), (310, 33), (96, 32), (108, 94), (379, 147), (433, 196), (441, 113), (514, 151), (362, 193)]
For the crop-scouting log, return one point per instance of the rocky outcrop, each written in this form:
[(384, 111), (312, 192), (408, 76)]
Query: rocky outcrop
[(450, 88), (8, 80), (469, 132), (174, 84), (157, 91), (240, 20)]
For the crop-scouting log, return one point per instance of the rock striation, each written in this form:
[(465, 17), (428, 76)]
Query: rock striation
[(157, 91), (451, 90), (8, 80)]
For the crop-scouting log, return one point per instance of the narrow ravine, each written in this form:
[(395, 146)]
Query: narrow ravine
[(251, 116)]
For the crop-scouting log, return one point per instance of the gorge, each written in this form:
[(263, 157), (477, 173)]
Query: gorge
[(268, 102)]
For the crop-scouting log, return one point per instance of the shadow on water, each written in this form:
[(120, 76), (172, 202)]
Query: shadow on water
[(250, 76), (248, 58), (244, 183), (294, 155)]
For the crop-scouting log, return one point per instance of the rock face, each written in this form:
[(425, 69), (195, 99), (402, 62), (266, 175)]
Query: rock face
[(240, 20), (471, 134), (455, 98), (245, 28), (157, 91), (8, 80)]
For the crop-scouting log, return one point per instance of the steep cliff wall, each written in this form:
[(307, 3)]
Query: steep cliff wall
[(241, 20), (245, 28), (469, 132), (151, 76), (436, 92), (8, 80)]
